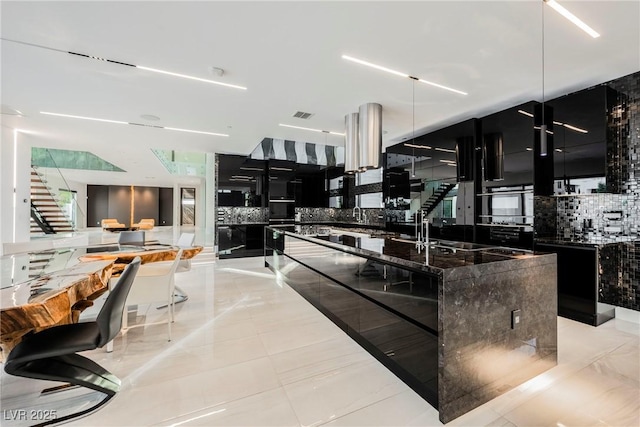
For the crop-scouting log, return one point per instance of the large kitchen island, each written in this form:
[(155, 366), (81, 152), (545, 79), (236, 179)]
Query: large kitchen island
[(460, 323)]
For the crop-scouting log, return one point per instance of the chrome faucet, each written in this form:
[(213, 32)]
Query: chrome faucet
[(354, 213), (422, 236)]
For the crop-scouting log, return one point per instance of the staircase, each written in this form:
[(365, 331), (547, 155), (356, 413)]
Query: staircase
[(438, 195), (46, 214)]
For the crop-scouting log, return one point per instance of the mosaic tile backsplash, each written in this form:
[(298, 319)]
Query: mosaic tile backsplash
[(368, 216), (612, 220), (598, 218), (623, 136), (242, 215)]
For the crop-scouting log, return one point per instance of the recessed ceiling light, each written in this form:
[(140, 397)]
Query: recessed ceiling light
[(401, 74), (276, 168), (571, 17), (525, 113), (447, 161), (130, 123), (246, 168), (529, 149), (426, 147), (451, 164), (312, 130)]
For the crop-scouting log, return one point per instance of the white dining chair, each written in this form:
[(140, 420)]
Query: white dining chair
[(155, 282), (185, 241)]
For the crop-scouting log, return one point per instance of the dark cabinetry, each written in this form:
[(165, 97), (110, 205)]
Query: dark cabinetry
[(578, 281), (238, 241)]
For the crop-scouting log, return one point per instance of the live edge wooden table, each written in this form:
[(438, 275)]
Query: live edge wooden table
[(147, 254), (55, 298), (58, 297)]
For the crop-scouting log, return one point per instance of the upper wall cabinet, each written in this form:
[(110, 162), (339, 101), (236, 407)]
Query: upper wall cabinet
[(512, 129), (580, 132), (433, 157), (241, 181)]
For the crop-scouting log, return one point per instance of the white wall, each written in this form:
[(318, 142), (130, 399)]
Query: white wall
[(5, 138), (19, 216)]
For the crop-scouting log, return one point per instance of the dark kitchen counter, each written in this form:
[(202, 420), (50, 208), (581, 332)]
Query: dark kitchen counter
[(401, 249), (429, 322), (592, 241)]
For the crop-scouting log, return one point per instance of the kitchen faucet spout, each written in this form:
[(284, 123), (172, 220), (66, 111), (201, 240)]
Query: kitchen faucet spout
[(358, 216)]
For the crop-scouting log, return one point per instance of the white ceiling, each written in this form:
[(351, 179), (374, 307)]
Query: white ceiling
[(288, 55)]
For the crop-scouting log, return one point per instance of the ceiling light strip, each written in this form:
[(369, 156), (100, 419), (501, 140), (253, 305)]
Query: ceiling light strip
[(312, 130), (577, 129), (377, 67), (525, 113), (84, 118), (446, 150), (401, 74), (442, 87), (155, 70), (571, 17), (195, 131), (185, 76), (568, 126), (425, 147), (95, 119)]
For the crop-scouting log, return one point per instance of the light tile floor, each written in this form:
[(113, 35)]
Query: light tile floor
[(248, 350)]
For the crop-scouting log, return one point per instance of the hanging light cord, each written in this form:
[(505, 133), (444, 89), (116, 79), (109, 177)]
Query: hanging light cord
[(413, 128), (543, 122), (413, 111)]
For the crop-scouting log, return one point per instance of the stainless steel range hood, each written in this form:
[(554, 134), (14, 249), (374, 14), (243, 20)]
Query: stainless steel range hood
[(370, 136), (351, 143)]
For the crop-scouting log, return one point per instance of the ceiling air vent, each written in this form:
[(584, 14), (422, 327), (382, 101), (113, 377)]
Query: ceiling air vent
[(302, 115)]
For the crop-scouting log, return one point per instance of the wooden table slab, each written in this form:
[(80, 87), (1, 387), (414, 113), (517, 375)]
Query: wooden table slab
[(53, 299), (147, 254)]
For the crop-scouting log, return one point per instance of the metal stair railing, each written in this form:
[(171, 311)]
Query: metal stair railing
[(46, 212), (40, 220), (52, 207)]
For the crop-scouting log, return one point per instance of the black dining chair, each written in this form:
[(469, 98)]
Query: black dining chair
[(51, 354)]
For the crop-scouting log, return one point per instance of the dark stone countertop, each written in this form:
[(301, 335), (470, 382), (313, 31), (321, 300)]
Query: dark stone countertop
[(591, 242), (242, 223), (401, 250)]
